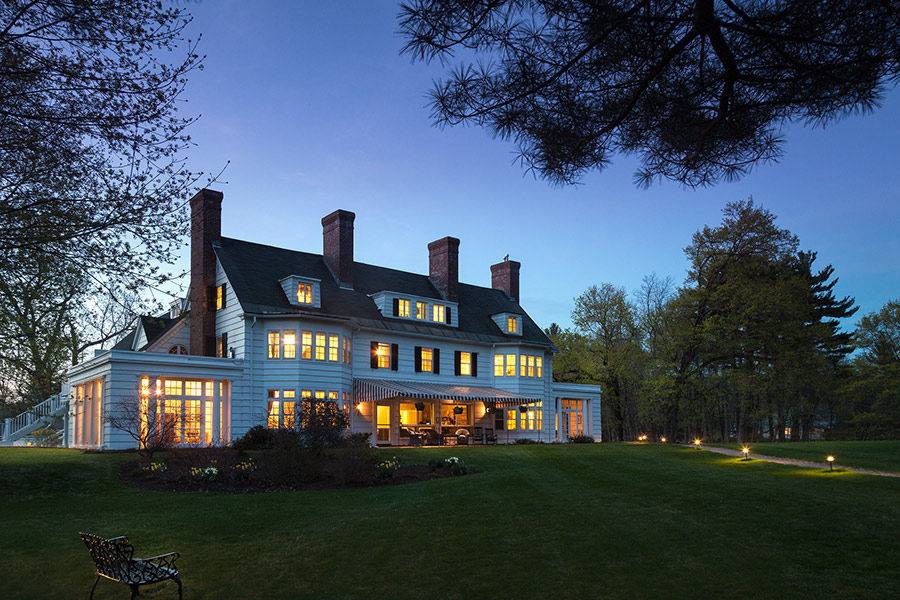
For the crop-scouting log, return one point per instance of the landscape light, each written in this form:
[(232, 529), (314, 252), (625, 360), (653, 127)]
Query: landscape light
[(746, 452), (830, 459), (697, 442), (663, 439)]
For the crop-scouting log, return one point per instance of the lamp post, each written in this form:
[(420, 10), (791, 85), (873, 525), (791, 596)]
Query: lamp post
[(697, 443), (746, 452), (830, 459)]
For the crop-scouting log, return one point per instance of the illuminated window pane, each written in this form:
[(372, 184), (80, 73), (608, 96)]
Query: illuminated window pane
[(290, 344), (523, 367), (172, 423), (512, 324), (383, 356), (320, 394), (288, 414), (465, 363), (332, 395), (306, 345), (498, 365), (193, 388), (220, 297), (320, 346), (540, 368), (274, 345), (304, 293), (531, 366), (173, 387), (333, 349), (511, 419), (427, 360), (191, 421), (421, 310), (510, 365), (208, 425), (438, 313), (273, 414), (402, 307)]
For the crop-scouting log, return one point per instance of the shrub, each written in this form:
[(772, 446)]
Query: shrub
[(581, 439), (526, 441), (256, 438), (205, 473), (387, 468), (356, 440), (453, 464), (46, 437)]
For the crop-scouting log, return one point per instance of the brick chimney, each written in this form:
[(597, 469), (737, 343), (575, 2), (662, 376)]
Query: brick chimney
[(206, 229), (443, 266), (337, 245), (505, 277)]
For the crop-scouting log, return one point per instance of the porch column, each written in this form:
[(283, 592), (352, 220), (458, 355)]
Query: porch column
[(217, 411)]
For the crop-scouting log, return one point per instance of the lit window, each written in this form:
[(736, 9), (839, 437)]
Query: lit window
[(333, 342), (172, 423), (287, 409), (173, 387), (274, 346), (178, 349), (438, 313), (531, 366), (220, 297), (333, 396), (465, 363), (272, 420), (306, 345), (498, 365), (421, 310), (427, 360), (304, 293), (290, 344), (512, 324), (208, 426), (192, 421), (345, 355), (320, 346), (320, 394), (511, 419), (540, 368), (306, 394), (523, 366), (222, 345), (193, 388), (403, 307), (383, 356), (510, 365)]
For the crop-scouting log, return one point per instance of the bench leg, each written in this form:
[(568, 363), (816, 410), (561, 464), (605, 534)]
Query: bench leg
[(178, 581), (94, 587), (134, 592)]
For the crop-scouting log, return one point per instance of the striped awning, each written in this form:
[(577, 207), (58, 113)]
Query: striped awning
[(368, 390)]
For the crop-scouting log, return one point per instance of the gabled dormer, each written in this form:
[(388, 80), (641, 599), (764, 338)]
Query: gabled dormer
[(509, 323), (303, 291), (418, 309)]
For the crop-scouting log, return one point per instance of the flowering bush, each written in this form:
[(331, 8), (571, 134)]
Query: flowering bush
[(387, 468), (245, 465), (452, 464), (157, 467), (207, 473)]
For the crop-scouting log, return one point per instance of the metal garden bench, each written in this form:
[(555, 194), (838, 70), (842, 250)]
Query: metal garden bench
[(114, 559)]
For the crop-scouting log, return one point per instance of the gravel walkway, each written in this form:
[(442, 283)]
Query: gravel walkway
[(800, 463)]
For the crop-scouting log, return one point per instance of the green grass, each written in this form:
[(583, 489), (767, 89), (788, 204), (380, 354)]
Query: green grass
[(575, 521), (883, 456)]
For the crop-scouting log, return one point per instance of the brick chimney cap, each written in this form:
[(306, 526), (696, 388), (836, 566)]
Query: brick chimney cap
[(446, 240), (506, 264), (339, 214), (207, 195)]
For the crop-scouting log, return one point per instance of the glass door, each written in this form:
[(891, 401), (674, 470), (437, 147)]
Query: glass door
[(383, 424)]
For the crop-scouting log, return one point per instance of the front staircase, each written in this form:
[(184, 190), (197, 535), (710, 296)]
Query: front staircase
[(38, 416)]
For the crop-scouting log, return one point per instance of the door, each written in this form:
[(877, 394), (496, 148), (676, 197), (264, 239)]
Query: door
[(383, 424), (571, 419)]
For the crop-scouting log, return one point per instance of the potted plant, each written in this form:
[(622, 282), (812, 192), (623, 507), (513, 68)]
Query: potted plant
[(420, 406), (457, 410), (523, 408)]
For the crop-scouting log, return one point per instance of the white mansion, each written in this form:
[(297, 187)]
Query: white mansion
[(267, 331)]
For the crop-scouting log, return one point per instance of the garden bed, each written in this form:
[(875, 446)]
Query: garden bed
[(233, 471)]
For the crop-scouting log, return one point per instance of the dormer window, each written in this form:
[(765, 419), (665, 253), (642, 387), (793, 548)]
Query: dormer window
[(218, 297), (304, 292), (403, 307), (421, 311), (512, 325), (438, 313)]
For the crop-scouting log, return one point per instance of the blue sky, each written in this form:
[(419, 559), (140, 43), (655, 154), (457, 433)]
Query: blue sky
[(316, 110)]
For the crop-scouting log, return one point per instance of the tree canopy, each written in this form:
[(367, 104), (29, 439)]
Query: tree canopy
[(697, 89)]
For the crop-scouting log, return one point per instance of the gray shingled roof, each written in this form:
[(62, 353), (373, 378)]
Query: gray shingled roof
[(154, 327), (255, 271)]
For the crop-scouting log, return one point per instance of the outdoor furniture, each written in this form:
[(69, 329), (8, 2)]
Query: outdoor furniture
[(114, 559), (432, 437), (490, 437), (462, 437), (415, 438)]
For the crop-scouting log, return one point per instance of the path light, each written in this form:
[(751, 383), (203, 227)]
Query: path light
[(697, 442), (830, 459), (746, 452), (663, 439)]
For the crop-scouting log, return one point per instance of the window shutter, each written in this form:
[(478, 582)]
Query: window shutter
[(474, 364), (395, 354), (396, 306), (456, 361), (210, 345), (418, 359), (373, 355), (447, 314), (225, 294), (225, 344), (436, 360)]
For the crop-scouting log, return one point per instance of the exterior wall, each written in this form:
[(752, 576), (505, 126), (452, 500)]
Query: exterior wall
[(590, 394), (179, 335), (230, 319), (384, 301)]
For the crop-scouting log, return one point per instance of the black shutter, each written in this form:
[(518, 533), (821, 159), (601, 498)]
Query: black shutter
[(396, 306), (447, 315), (436, 356), (418, 359), (223, 352), (474, 364), (395, 354), (456, 361), (225, 289), (210, 349), (373, 355)]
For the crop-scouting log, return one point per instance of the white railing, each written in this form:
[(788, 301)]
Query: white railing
[(24, 423)]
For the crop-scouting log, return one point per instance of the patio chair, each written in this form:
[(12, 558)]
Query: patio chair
[(490, 437), (414, 438), (114, 559), (432, 437)]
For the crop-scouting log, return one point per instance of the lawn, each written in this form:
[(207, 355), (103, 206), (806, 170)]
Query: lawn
[(884, 456), (574, 521)]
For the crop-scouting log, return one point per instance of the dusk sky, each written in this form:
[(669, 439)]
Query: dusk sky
[(316, 110)]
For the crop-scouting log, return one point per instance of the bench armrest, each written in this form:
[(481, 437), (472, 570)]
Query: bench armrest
[(162, 560)]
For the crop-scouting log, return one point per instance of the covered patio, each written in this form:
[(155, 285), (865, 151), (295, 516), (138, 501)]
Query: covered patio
[(401, 413)]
